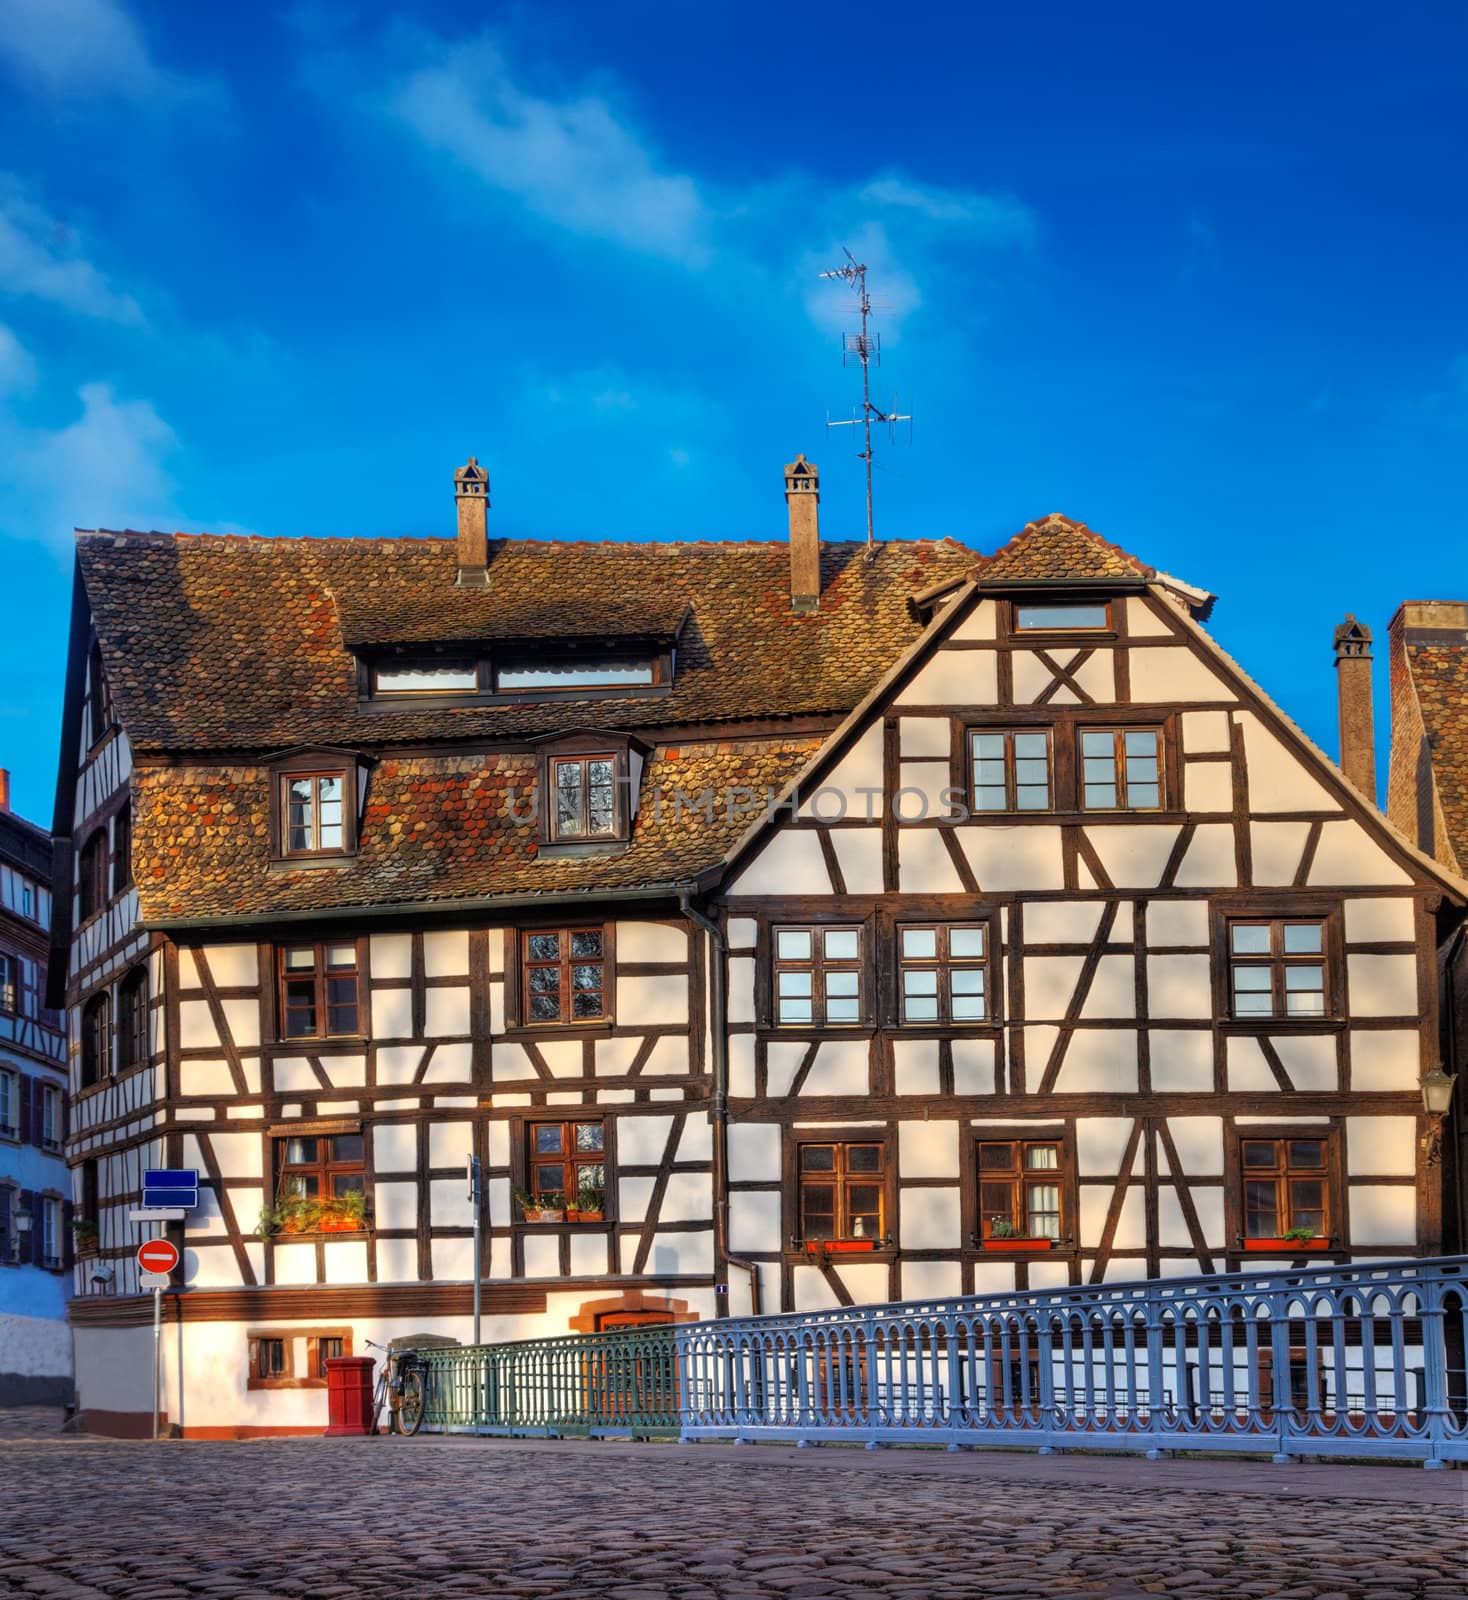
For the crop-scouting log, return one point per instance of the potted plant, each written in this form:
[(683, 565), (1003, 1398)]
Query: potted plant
[(541, 1207), (590, 1204), (343, 1213), (291, 1213), (85, 1235), (1292, 1240), (1006, 1235)]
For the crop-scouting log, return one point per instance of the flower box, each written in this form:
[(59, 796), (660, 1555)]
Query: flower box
[(338, 1224), (543, 1214), (1285, 1247), (815, 1247), (590, 1216), (1019, 1244)]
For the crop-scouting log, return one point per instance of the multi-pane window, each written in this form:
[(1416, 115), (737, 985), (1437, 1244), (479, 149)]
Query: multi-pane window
[(49, 1224), (318, 990), (1277, 968), (1286, 1187), (132, 1019), (567, 1159), (122, 849), (818, 978), (1020, 1189), (1060, 618), (268, 1360), (1011, 770), (50, 1117), (329, 1347), (564, 975), (9, 1115), (320, 1166), (942, 973), (92, 874), (585, 791), (96, 1039), (9, 981), (314, 807), (842, 1191), (1121, 769)]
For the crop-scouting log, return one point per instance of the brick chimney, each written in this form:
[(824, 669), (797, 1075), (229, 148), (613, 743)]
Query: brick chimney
[(1353, 693), (803, 497), (4, 789), (471, 492), (1414, 803)]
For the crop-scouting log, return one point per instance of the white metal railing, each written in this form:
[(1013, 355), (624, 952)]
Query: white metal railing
[(1349, 1361)]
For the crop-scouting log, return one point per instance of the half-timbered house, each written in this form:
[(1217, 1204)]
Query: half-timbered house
[(780, 925)]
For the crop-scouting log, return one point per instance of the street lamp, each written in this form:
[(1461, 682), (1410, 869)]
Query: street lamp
[(1437, 1096)]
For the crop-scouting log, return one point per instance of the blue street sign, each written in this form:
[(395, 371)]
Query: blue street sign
[(177, 1187)]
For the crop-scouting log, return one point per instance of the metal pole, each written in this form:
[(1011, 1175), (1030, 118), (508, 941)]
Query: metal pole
[(157, 1351), (478, 1203)]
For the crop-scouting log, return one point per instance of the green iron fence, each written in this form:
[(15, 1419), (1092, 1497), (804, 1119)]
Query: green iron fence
[(623, 1381)]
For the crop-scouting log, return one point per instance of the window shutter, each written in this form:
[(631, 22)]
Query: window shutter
[(68, 1239), (65, 1116), (26, 1123), (38, 1230), (6, 1250)]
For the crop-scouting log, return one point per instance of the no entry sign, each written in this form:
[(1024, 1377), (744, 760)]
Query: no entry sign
[(158, 1255)]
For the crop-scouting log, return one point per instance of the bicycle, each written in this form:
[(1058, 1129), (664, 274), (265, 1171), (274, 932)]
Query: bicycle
[(400, 1388)]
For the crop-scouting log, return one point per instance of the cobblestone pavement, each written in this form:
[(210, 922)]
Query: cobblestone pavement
[(307, 1519)]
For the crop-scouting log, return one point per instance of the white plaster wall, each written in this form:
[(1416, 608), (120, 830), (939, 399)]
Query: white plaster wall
[(651, 941), (930, 1219), (755, 1222), (954, 678), (1382, 986), (928, 1149), (1170, 673), (1278, 779), (1381, 1146), (1380, 921), (1182, 1060), (1014, 858), (1385, 1059), (446, 954), (662, 999), (1382, 1214), (34, 1347)]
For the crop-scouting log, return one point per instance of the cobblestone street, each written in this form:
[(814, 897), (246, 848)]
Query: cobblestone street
[(562, 1521)]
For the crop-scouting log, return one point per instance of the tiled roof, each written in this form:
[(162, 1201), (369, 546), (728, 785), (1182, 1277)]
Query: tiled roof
[(435, 828), (230, 644), (1439, 673), (1057, 547)]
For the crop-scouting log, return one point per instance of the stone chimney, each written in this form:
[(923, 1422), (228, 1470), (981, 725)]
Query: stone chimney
[(803, 497), (4, 789), (1353, 692), (471, 492)]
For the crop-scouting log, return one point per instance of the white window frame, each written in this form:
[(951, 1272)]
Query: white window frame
[(50, 1117)]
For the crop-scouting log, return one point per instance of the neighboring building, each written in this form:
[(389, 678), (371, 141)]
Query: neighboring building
[(1427, 798), (1155, 1002), (35, 1205)]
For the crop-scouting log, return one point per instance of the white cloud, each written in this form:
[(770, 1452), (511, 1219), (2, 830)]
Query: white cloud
[(75, 48), (17, 369), (104, 468), (998, 218), (571, 162), (41, 259)]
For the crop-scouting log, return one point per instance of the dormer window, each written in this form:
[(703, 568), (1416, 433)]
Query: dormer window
[(1069, 618), (587, 786), (316, 798), (426, 677), (588, 673)]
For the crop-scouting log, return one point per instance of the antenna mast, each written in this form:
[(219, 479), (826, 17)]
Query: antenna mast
[(866, 348)]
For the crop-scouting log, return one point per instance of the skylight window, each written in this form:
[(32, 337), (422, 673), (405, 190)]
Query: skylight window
[(1060, 619), (426, 677), (590, 674)]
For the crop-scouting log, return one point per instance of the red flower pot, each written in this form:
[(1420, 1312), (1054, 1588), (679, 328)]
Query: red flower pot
[(1285, 1247), (1018, 1244)]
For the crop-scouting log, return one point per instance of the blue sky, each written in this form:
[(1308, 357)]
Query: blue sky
[(1192, 274)]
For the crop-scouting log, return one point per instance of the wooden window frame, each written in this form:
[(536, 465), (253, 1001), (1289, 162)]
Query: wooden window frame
[(320, 974), (1119, 732), (133, 1032), (601, 1159), (1277, 961), (96, 1039), (617, 759), (1282, 907), (315, 776), (1332, 1176), (1019, 1177), (93, 863), (819, 965), (1011, 786), (518, 986), (122, 849), (945, 964), (1083, 630), (841, 1178), (323, 1169), (289, 1378), (319, 762)]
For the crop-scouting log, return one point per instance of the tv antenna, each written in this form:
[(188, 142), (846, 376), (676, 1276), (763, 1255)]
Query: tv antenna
[(866, 348)]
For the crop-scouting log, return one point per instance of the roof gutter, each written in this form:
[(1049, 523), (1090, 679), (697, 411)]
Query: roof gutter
[(398, 910)]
